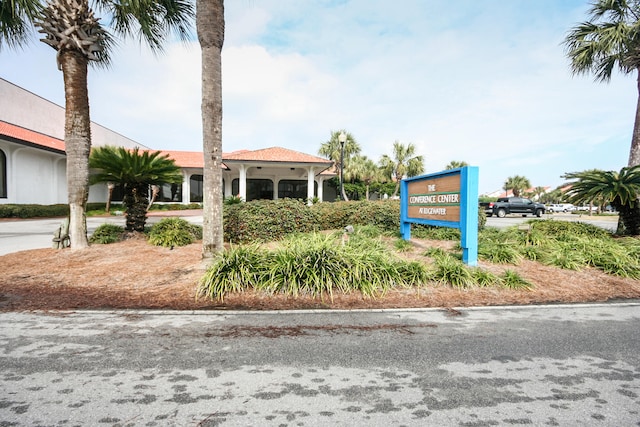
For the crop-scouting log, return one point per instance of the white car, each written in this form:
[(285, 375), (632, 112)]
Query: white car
[(561, 207)]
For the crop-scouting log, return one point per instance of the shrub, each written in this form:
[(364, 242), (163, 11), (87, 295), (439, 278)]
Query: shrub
[(107, 233), (33, 211), (170, 232), (233, 200), (267, 220)]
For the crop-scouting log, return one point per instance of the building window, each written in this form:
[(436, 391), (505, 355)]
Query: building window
[(170, 193), (3, 175), (256, 189), (294, 189), (195, 188)]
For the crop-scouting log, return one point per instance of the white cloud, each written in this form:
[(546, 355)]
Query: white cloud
[(484, 82)]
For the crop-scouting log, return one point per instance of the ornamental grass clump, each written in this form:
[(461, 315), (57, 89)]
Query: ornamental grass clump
[(234, 270), (311, 264), (450, 271), (512, 280), (484, 278)]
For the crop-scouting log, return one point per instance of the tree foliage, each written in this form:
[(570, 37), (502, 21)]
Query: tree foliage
[(608, 41), (135, 170), (80, 38), (620, 189), (402, 163), (517, 184)]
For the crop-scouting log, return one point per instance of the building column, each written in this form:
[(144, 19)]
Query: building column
[(186, 189), (276, 182), (242, 183), (228, 181), (320, 188), (310, 181)]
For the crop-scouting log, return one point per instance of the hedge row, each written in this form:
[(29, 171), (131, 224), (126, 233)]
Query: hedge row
[(266, 220), (33, 211)]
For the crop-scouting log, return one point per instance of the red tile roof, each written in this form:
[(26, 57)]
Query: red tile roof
[(274, 154), (29, 136), (185, 159)]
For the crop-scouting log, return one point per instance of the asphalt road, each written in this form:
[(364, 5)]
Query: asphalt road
[(22, 235), (552, 365)]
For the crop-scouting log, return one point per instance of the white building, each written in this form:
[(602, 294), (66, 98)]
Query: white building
[(33, 161)]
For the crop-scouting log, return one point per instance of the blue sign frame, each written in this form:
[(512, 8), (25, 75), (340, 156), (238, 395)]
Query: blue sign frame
[(468, 223)]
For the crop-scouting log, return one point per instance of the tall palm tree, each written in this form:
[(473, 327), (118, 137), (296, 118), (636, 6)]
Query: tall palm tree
[(210, 27), (72, 29), (135, 170), (332, 150), (538, 192), (621, 189), (454, 164), (609, 40), (403, 163), (365, 169), (517, 184)]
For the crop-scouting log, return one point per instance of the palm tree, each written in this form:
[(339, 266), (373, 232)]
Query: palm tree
[(517, 184), (404, 163), (135, 171), (365, 169), (609, 40), (210, 28), (538, 192), (454, 164), (331, 149), (620, 189), (72, 29)]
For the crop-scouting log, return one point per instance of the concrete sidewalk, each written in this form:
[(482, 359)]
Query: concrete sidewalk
[(25, 234)]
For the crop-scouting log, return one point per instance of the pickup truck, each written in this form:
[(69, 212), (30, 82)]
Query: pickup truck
[(512, 205)]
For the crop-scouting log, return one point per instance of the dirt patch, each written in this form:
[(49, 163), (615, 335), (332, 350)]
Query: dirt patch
[(135, 274)]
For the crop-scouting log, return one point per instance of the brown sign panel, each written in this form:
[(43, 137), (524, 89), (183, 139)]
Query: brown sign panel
[(435, 199)]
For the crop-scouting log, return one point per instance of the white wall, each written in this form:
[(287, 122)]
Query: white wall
[(25, 109), (33, 176)]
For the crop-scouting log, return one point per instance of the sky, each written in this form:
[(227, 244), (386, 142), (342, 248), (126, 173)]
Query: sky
[(485, 82)]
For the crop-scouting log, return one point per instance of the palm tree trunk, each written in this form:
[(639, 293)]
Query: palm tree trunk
[(136, 201), (210, 28), (77, 139), (110, 186), (634, 152)]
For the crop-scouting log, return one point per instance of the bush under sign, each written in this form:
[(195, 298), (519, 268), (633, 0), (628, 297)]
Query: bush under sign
[(443, 199)]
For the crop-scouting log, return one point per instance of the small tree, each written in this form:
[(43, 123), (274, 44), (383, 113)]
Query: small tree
[(454, 164), (332, 149), (404, 163), (609, 41), (366, 170), (517, 184), (621, 189), (135, 170)]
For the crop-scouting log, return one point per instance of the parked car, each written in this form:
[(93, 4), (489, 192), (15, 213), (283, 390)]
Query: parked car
[(512, 205), (561, 207), (587, 208)]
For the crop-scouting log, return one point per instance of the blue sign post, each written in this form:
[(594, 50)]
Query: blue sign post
[(443, 199)]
